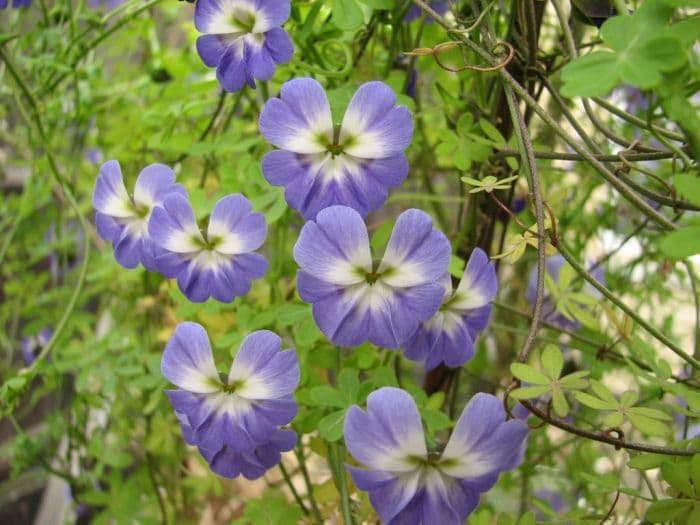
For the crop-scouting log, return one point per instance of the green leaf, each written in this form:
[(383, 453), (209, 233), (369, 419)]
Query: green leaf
[(695, 472), (273, 509), (325, 395), (348, 385), (643, 47), (290, 314), (456, 267), (647, 425), (559, 403), (527, 519), (678, 476), (591, 75), (331, 427), (650, 412), (688, 186), (603, 393), (435, 419), (529, 374), (380, 4), (647, 461), (347, 14), (628, 398), (666, 509), (614, 419), (384, 376), (681, 243), (594, 402), (491, 132), (575, 380), (552, 361), (528, 392)]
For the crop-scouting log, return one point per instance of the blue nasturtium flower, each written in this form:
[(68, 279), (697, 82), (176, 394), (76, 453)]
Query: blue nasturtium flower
[(218, 263), (450, 334), (354, 300), (123, 220), (233, 419), (243, 39), (320, 164), (15, 3), (409, 484)]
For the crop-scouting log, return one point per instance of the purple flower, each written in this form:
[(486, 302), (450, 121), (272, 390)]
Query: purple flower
[(228, 463), (124, 221), (234, 419), (32, 345), (450, 334), (219, 263), (553, 265), (15, 3), (408, 484), (94, 156), (108, 4), (414, 12), (243, 39), (319, 164), (355, 301)]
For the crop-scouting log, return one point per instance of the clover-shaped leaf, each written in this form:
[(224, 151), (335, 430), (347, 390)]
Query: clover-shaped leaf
[(646, 419), (548, 380), (641, 48)]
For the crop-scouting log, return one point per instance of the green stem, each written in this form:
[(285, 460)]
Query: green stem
[(293, 489), (336, 455), (299, 452), (522, 93), (528, 160), (52, 84), (629, 311), (69, 197)]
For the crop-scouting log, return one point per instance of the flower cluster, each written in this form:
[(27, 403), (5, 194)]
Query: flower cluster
[(157, 228), (354, 301), (243, 39), (409, 484), (233, 419), (333, 174)]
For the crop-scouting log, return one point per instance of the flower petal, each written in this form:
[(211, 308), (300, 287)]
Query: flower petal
[(232, 70), (235, 227), (258, 60), (299, 118), (154, 183), (478, 286), (270, 14), (172, 227), (416, 254), (211, 48), (188, 362), (373, 127), (278, 44), (215, 16), (445, 501), (389, 434), (335, 248), (265, 371), (483, 444), (110, 196)]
